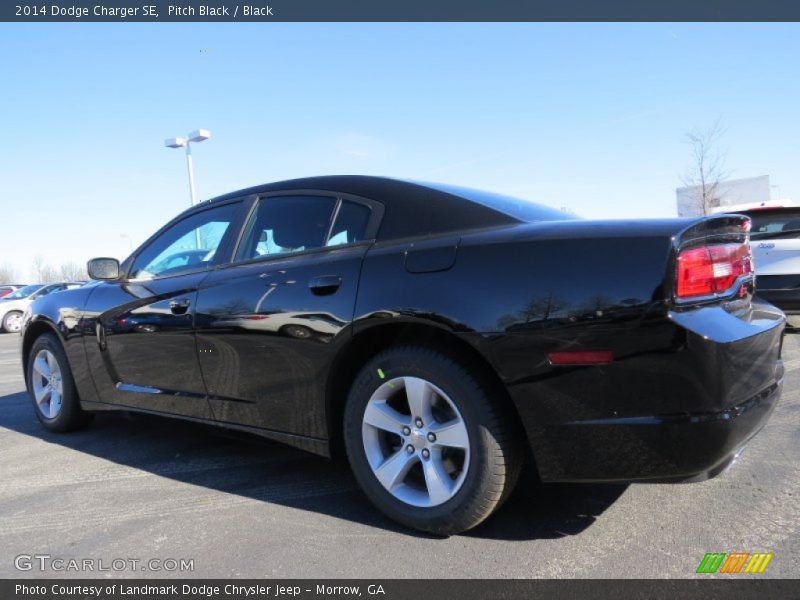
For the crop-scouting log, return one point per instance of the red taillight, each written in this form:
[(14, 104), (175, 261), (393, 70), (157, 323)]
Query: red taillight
[(712, 269)]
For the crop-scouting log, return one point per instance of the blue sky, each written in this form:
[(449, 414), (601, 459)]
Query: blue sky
[(587, 116)]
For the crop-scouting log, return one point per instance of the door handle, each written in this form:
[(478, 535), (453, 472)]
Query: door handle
[(325, 285), (179, 307)]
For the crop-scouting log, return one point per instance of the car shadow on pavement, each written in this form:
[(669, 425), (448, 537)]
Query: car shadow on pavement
[(259, 469), (538, 510)]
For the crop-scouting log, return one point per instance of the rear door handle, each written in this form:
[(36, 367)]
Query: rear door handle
[(179, 307), (325, 285)]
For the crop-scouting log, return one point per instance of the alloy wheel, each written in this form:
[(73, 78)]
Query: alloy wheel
[(416, 441), (48, 386)]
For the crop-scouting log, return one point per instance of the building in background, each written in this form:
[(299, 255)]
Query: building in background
[(751, 190)]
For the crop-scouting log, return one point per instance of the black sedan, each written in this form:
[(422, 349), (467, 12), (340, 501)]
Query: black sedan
[(439, 335)]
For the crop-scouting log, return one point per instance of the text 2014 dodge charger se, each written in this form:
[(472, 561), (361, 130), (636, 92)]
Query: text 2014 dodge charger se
[(434, 332)]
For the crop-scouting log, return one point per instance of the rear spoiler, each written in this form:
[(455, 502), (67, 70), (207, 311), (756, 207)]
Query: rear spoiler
[(717, 229)]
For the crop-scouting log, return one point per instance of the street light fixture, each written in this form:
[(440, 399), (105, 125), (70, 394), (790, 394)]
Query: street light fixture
[(199, 135)]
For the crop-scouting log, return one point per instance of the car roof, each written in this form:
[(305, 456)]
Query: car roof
[(410, 208), (769, 210)]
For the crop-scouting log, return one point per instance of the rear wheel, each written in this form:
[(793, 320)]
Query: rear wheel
[(12, 322), (301, 332), (52, 388), (427, 442)]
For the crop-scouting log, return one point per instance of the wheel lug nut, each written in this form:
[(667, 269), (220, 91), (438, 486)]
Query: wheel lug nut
[(418, 422), (406, 431), (426, 453), (410, 449), (431, 437)]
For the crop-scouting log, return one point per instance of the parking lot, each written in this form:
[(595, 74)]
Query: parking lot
[(147, 488)]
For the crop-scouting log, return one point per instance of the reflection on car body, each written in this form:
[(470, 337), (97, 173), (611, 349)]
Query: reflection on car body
[(461, 330), (301, 325)]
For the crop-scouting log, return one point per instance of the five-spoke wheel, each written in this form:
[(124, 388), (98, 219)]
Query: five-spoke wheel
[(51, 387), (428, 441), (416, 441), (47, 384)]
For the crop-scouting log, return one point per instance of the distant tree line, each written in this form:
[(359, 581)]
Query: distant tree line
[(43, 272)]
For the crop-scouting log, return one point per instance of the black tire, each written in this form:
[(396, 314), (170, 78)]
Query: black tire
[(300, 332), (496, 452), (7, 319), (71, 416)]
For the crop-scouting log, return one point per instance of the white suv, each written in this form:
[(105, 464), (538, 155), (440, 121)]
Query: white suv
[(775, 241)]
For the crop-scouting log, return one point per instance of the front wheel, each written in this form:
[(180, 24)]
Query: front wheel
[(51, 387), (428, 443)]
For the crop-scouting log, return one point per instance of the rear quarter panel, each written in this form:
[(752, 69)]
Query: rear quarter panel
[(522, 278), (518, 293)]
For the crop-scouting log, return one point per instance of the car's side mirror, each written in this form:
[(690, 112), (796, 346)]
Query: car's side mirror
[(103, 268)]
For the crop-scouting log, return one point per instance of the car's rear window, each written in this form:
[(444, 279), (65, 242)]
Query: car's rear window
[(524, 210), (774, 224)]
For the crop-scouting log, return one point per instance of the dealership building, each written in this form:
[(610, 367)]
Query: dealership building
[(728, 193)]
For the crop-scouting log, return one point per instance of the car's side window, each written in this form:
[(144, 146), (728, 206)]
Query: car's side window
[(286, 224), (189, 244), (350, 224)]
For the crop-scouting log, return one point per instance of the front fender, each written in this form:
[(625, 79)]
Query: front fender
[(63, 315)]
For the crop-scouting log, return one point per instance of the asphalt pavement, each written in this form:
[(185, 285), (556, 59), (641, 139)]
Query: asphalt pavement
[(141, 489)]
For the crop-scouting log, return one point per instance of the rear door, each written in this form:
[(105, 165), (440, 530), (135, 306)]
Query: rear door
[(143, 352), (269, 324)]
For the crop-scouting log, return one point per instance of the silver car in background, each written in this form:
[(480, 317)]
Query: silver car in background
[(13, 306)]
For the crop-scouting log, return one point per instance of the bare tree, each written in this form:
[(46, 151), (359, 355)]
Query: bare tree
[(38, 268), (7, 274), (49, 274), (72, 271), (43, 272), (544, 307), (708, 168)]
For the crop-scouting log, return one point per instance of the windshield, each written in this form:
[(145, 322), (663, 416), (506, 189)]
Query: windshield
[(774, 224), (524, 210), (23, 292)]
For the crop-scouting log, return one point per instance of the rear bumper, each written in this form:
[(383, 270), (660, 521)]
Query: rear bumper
[(681, 398), (668, 448)]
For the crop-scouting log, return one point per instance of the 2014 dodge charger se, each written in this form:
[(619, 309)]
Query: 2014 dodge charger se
[(435, 333)]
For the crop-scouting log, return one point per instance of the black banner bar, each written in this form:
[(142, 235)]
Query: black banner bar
[(394, 589), (398, 10)]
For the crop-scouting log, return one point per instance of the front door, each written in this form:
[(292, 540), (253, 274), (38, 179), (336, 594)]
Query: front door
[(144, 342)]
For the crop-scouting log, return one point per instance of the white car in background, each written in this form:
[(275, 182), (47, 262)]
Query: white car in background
[(13, 306), (301, 325), (775, 242)]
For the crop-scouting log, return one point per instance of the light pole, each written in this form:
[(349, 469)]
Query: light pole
[(199, 135), (186, 142)]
